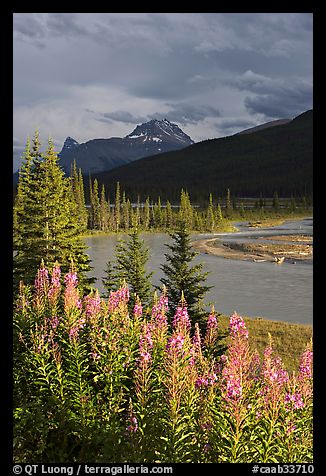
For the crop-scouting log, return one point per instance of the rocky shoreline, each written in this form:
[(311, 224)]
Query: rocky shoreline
[(301, 250)]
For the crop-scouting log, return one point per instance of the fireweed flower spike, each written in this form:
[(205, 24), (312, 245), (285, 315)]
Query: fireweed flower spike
[(41, 282), (181, 319), (138, 308), (305, 385), (237, 327), (92, 305), (71, 295), (275, 379), (211, 329), (235, 373), (41, 285), (118, 298), (145, 345), (133, 426), (195, 350), (55, 287)]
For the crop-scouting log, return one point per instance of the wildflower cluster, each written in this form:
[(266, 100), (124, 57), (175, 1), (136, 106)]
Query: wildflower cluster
[(132, 387)]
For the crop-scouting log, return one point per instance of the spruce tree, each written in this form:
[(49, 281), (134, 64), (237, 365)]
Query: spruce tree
[(186, 210), (78, 192), (146, 215), (219, 215), (276, 202), (110, 280), (181, 276), (131, 259), (22, 186), (117, 207), (95, 206), (169, 215), (104, 211), (125, 212), (210, 218), (228, 200), (47, 224)]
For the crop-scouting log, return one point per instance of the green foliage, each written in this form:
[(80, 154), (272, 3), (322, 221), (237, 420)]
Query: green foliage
[(130, 267), (47, 220), (180, 276), (94, 382)]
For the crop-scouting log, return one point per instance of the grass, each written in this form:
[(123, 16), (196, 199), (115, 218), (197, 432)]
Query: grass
[(289, 340)]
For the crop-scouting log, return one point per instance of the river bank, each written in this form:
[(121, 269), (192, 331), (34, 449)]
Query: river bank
[(254, 252), (277, 248)]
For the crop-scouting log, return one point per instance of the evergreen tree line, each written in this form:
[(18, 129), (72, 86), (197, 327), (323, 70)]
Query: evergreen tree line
[(120, 214)]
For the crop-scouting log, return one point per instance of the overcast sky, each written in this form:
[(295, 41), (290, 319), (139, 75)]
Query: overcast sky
[(98, 75)]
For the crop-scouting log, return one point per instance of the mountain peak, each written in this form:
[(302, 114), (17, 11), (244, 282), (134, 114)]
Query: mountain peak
[(70, 143), (160, 130)]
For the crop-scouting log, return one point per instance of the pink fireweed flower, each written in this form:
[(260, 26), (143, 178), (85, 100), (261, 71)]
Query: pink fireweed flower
[(195, 350), (54, 322), (92, 305), (211, 329), (291, 428), (145, 345), (212, 321), (160, 307), (159, 318), (95, 355), (133, 426), (138, 309), (237, 326), (71, 279), (305, 371), (41, 282), (223, 359), (236, 378), (175, 344), (305, 374), (181, 319), (55, 287), (233, 384), (75, 329), (206, 380), (274, 381), (71, 295), (293, 401), (121, 296)]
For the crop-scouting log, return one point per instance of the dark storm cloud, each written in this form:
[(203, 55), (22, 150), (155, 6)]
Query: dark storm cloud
[(180, 113), (234, 125), (286, 105), (275, 98), (187, 113), (121, 116)]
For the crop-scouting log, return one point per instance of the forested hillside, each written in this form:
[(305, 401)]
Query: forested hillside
[(274, 159)]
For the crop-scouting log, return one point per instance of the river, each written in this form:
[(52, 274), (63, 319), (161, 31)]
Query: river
[(277, 292)]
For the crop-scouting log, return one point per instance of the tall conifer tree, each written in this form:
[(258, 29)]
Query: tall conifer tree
[(49, 227), (181, 276), (117, 207), (131, 259)]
